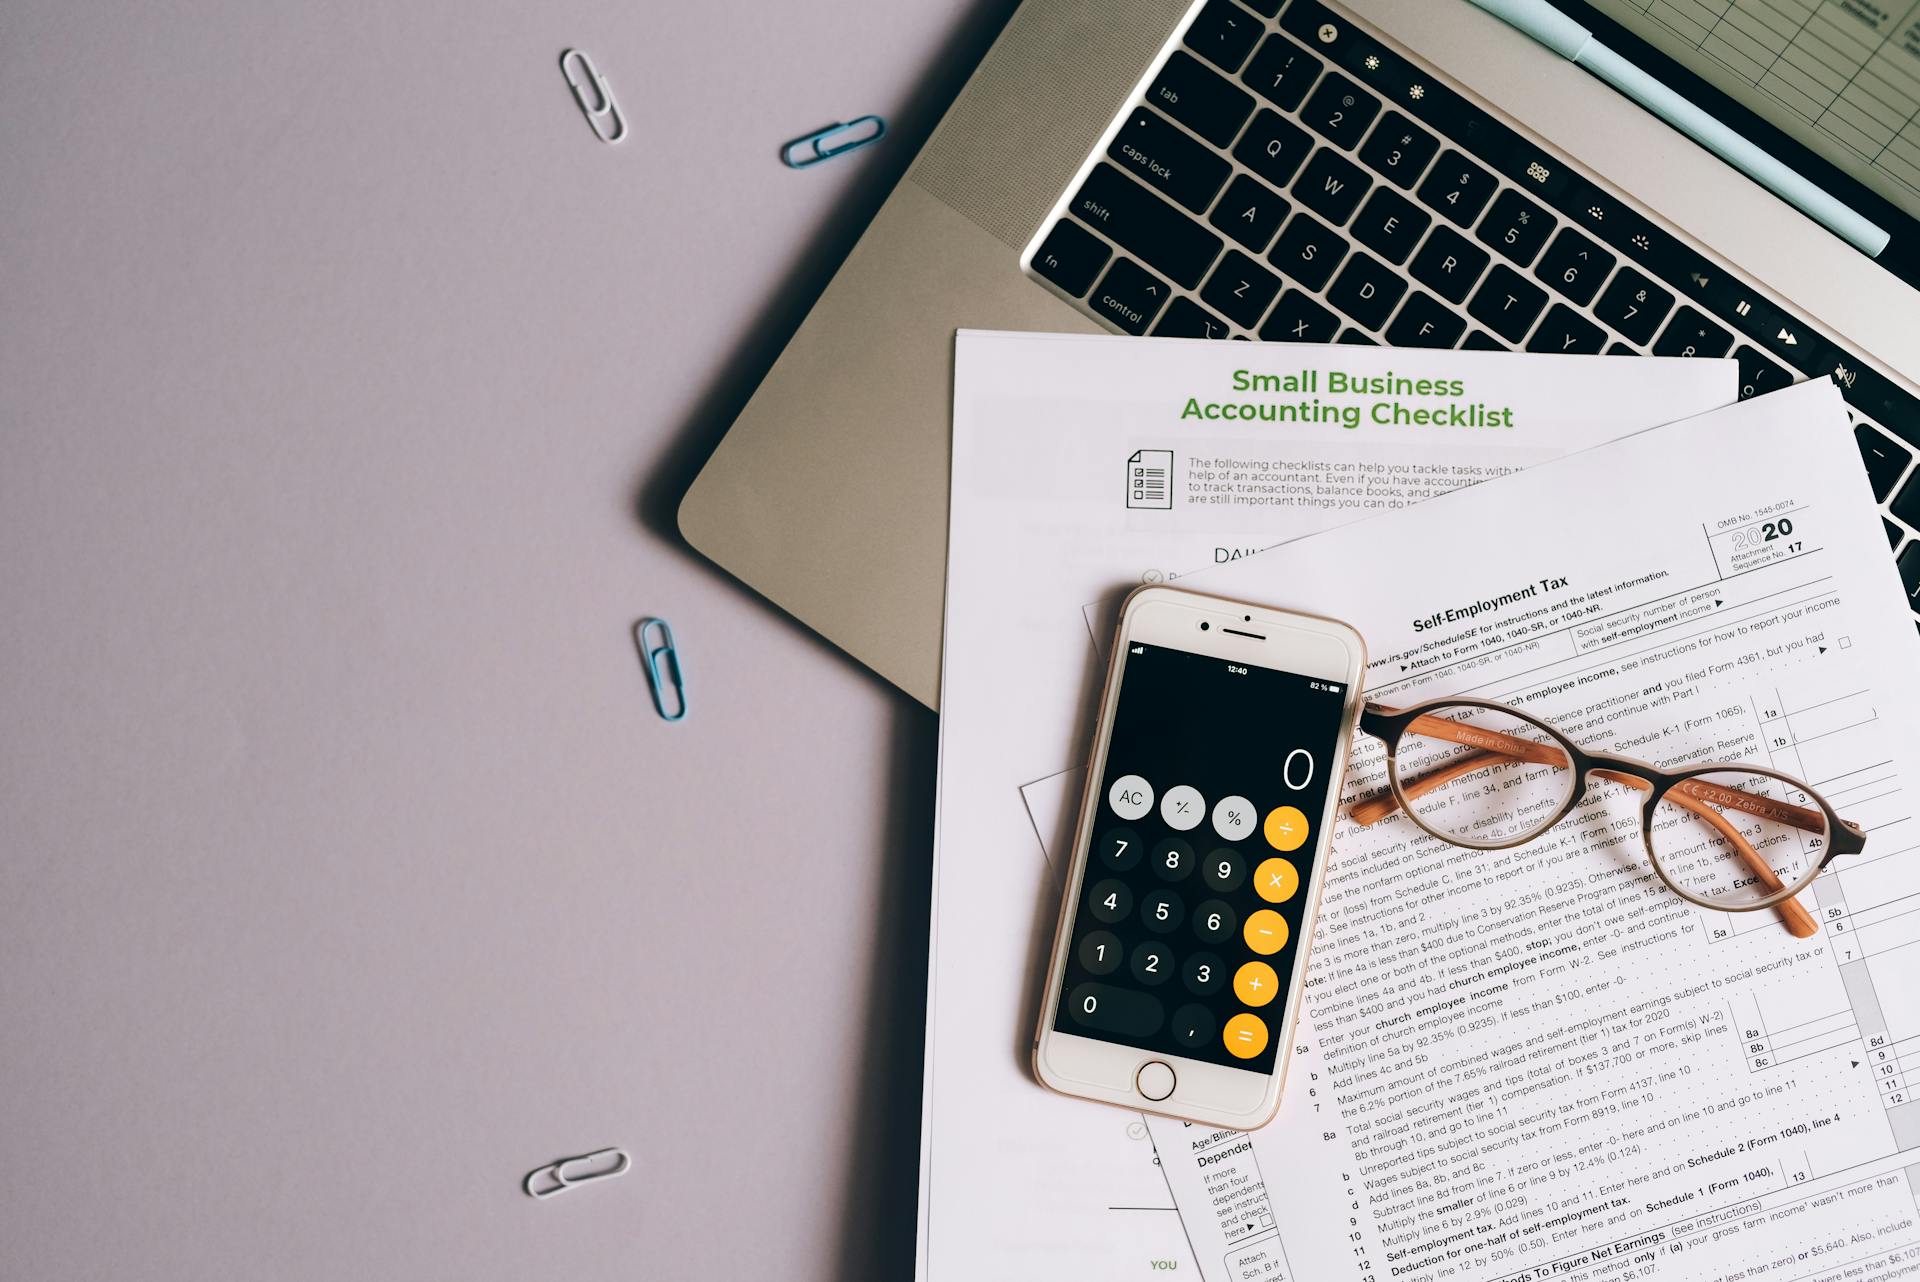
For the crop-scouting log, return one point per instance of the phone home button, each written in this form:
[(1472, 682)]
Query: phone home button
[(1154, 1080)]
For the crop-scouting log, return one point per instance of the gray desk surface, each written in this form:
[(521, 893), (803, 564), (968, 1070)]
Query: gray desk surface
[(347, 386)]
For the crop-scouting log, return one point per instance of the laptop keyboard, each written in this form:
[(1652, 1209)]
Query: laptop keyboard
[(1289, 178)]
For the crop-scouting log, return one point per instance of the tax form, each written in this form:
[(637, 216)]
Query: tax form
[(1539, 1062), (1053, 438)]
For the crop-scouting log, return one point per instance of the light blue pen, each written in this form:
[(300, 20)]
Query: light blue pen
[(1576, 44)]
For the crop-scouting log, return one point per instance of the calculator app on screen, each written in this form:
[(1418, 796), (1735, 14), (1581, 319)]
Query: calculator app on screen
[(1187, 927)]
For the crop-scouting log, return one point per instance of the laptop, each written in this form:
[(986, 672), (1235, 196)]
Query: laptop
[(1408, 172)]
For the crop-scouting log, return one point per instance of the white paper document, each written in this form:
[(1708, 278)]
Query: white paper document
[(1540, 1062), (1083, 466)]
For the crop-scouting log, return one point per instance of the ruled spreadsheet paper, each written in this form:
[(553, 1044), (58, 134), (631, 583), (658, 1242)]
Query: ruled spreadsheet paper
[(1841, 75)]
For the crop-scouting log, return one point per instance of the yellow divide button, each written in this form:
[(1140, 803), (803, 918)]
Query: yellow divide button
[(1286, 828), (1265, 932), (1255, 984), (1245, 1035), (1275, 880)]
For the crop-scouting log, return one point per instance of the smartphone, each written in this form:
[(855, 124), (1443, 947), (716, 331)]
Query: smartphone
[(1177, 969)]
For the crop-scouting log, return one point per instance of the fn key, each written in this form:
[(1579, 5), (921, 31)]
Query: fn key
[(1070, 257)]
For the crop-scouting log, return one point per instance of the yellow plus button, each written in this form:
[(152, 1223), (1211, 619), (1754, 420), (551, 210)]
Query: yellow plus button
[(1255, 984)]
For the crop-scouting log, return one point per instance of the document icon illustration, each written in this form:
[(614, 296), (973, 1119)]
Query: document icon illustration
[(1150, 479)]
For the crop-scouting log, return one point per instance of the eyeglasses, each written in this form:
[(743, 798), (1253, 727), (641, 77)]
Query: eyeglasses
[(1731, 837)]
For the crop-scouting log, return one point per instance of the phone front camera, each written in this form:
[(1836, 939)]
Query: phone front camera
[(1204, 625)]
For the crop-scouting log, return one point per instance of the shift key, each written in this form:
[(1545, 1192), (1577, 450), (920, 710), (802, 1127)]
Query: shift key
[(1148, 227)]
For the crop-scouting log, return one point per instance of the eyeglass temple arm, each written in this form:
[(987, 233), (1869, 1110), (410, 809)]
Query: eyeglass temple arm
[(1798, 921), (1493, 742)]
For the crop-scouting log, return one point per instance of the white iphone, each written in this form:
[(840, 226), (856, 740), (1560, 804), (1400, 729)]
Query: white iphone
[(1176, 974)]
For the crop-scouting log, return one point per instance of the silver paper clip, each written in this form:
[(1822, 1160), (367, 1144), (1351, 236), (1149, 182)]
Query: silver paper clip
[(568, 1172), (603, 113), (814, 148), (662, 660)]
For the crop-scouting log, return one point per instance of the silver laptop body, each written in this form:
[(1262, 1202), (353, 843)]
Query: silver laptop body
[(828, 495)]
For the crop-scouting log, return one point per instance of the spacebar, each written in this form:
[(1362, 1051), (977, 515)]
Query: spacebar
[(1146, 226)]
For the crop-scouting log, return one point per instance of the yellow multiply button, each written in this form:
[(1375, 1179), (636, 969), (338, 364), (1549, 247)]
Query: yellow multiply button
[(1245, 1035), (1275, 880), (1265, 932), (1286, 828), (1255, 984)]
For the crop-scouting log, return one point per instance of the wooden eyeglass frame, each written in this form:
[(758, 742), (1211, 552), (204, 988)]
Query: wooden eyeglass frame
[(1685, 787)]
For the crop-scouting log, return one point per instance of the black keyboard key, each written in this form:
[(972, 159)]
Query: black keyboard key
[(1187, 319), (1308, 252), (1241, 289), (1250, 212), (1142, 223), (1331, 185), (1803, 349), (1885, 458), (1620, 349), (1390, 225), (1481, 341), (1691, 334), (1910, 574), (1200, 98), (1425, 322), (1298, 319), (1367, 290), (1507, 302), (1399, 150), (1130, 296), (1265, 8), (1223, 33), (1449, 263), (1282, 72), (1169, 160), (1354, 338), (1894, 533), (1516, 227), (1574, 266), (1457, 188), (1906, 504), (1760, 373), (1071, 257), (1273, 147), (1876, 396), (1567, 332), (1340, 110), (1634, 305)]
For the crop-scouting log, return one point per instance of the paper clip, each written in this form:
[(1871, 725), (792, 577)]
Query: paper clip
[(602, 108), (558, 1180), (813, 148), (663, 667)]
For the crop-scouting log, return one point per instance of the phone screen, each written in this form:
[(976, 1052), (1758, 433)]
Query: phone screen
[(1187, 927)]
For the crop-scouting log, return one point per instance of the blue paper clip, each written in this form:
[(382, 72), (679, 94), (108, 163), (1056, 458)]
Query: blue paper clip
[(814, 148), (663, 667)]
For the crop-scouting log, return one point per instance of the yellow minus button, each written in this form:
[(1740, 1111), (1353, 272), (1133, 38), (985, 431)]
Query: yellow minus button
[(1265, 932)]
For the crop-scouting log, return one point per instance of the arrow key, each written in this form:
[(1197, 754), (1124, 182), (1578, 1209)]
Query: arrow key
[(1759, 374)]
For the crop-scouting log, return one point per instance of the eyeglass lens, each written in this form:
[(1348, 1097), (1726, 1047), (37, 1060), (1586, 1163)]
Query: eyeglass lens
[(1482, 776)]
